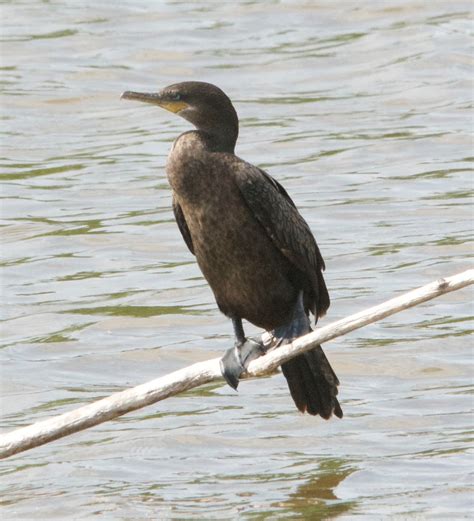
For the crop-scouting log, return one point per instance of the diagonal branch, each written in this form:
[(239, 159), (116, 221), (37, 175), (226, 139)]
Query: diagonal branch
[(204, 372)]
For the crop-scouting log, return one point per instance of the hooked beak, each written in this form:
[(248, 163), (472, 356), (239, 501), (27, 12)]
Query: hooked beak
[(155, 99)]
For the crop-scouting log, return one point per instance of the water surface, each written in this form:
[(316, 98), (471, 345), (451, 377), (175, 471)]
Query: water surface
[(363, 111)]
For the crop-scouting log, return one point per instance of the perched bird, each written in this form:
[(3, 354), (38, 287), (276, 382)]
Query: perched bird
[(253, 247)]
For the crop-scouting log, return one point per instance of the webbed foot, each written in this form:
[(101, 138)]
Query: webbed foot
[(237, 358)]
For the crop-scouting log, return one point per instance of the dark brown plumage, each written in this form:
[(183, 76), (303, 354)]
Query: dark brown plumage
[(252, 245)]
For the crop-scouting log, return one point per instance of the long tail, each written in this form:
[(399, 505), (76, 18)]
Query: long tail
[(313, 384), (311, 379)]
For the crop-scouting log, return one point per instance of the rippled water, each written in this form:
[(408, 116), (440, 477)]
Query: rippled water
[(363, 111)]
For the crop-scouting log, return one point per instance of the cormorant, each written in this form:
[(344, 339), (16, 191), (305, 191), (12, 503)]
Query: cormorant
[(254, 248)]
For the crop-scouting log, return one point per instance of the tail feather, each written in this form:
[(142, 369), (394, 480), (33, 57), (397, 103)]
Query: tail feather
[(313, 384), (311, 379)]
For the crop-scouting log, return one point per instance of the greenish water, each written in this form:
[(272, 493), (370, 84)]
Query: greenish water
[(363, 110)]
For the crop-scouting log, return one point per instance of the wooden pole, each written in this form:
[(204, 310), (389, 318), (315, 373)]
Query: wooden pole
[(204, 372)]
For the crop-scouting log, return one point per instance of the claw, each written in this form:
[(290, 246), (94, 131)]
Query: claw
[(231, 367), (237, 358)]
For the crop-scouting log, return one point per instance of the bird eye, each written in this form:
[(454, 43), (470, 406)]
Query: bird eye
[(175, 96)]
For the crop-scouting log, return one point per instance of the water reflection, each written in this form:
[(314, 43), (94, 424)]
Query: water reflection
[(316, 498)]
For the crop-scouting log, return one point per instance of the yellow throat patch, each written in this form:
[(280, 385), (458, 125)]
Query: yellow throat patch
[(173, 106)]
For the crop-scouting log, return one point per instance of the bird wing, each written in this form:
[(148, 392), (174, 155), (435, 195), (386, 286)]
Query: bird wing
[(182, 225), (289, 232)]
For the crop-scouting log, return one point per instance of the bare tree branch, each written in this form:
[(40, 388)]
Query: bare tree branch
[(204, 372)]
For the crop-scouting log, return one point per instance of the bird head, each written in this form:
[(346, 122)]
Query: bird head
[(204, 105)]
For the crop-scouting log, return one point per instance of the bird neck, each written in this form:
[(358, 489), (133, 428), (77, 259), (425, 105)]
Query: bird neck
[(221, 139), (219, 124)]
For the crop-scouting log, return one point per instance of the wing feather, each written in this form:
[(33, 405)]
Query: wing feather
[(277, 213), (182, 225)]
